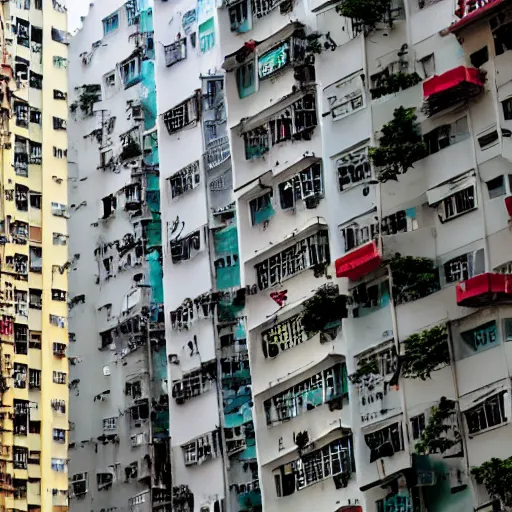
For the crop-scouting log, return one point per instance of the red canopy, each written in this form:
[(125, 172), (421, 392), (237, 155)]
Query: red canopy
[(359, 262), (484, 289), (457, 76), (508, 205), (469, 16)]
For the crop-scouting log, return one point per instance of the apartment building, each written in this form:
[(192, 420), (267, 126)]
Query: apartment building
[(212, 433), (119, 432), (33, 419)]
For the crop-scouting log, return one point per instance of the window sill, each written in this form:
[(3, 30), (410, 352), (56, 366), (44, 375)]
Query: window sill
[(445, 220), (489, 429)]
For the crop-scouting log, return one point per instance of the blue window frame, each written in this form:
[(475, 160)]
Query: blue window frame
[(111, 23)]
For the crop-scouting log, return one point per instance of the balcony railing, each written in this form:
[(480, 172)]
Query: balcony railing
[(217, 152), (484, 289), (458, 84)]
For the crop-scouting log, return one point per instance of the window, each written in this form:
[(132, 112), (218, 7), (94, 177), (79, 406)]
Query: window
[(20, 339), (110, 424), (283, 336), (304, 254), (60, 465), (36, 81), (111, 23), (459, 203), (59, 378), (60, 63), (21, 110), (20, 457), (20, 305), (60, 210), (261, 209), (34, 379), (20, 375), (58, 405), (428, 65), (481, 338), (488, 138), (21, 197), (182, 115), (59, 124), (34, 427), (35, 116), (21, 417), (345, 96), (307, 395), (185, 179), (175, 52), (446, 135), (59, 95), (279, 57), (60, 239), (296, 122), (261, 8), (417, 426), (238, 16), (79, 483), (20, 489), (131, 12), (59, 349), (479, 57), (246, 79), (130, 72), (60, 153), (202, 449), (353, 168), (185, 248), (138, 499), (489, 413), (104, 480), (496, 187), (465, 266), (385, 442), (139, 412), (507, 108), (35, 340), (306, 185), (194, 383), (36, 153), (35, 299), (60, 36), (502, 33), (36, 259), (333, 460), (38, 4), (59, 435), (22, 32)]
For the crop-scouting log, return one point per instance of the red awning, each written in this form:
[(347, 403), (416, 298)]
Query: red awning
[(486, 7), (484, 289), (458, 84), (359, 262), (508, 205), (457, 76)]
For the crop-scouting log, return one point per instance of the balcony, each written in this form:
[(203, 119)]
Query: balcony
[(217, 152), (359, 262), (469, 11), (484, 290), (458, 84)]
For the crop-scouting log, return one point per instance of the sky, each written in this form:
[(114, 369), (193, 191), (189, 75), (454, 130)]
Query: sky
[(76, 8)]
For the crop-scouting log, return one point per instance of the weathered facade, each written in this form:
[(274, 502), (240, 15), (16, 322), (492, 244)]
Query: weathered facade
[(33, 256), (119, 432)]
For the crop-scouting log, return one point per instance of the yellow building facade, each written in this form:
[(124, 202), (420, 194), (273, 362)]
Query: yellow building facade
[(33, 257)]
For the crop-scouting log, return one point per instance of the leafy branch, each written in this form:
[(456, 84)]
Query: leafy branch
[(366, 12), (324, 308), (413, 278), (394, 83), (425, 353), (433, 438), (399, 146), (496, 476), (365, 367)]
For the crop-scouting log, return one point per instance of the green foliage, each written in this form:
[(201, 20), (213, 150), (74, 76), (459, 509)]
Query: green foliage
[(327, 306), (365, 367), (367, 12), (496, 476), (433, 438), (394, 83), (399, 146), (131, 150), (425, 352), (413, 278), (90, 94)]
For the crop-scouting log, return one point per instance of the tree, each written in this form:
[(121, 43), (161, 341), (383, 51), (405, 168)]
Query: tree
[(496, 476), (399, 146)]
